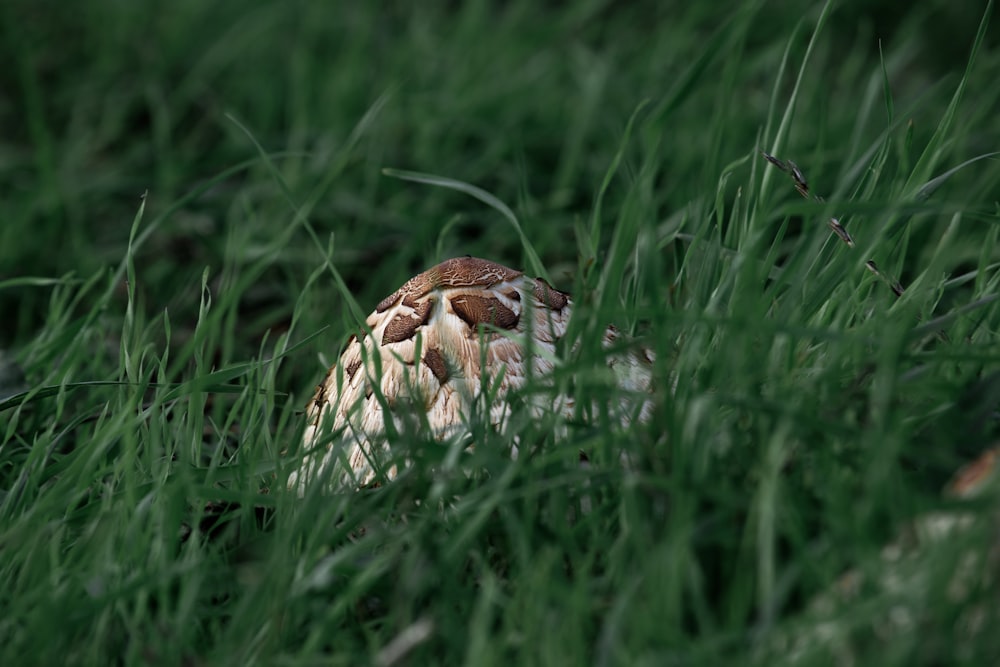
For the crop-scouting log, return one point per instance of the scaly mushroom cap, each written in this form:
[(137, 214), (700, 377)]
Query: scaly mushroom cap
[(426, 349)]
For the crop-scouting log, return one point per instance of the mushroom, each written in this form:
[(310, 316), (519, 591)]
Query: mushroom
[(432, 346)]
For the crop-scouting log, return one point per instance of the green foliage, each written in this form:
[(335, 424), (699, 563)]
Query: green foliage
[(200, 201)]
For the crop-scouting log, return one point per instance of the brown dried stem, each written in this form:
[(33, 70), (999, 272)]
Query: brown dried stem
[(802, 187)]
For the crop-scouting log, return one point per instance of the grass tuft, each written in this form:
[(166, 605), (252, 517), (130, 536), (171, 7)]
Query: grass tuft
[(200, 203)]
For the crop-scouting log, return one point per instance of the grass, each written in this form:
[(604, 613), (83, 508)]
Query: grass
[(199, 203)]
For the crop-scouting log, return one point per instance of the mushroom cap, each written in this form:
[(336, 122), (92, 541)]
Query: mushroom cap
[(430, 347)]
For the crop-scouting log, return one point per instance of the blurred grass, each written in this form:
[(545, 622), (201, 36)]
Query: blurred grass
[(169, 298)]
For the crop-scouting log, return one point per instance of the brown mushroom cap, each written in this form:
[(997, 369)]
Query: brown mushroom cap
[(457, 272), (433, 343)]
